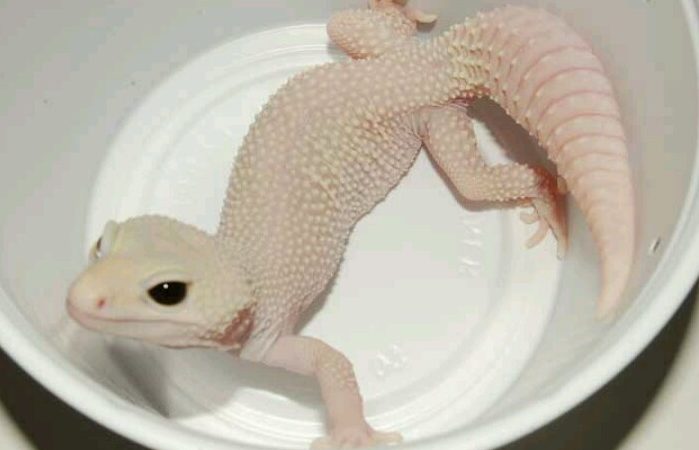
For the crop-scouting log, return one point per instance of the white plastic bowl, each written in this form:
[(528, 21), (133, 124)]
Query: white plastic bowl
[(461, 339)]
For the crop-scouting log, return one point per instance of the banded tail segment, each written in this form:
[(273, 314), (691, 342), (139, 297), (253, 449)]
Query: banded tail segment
[(548, 79)]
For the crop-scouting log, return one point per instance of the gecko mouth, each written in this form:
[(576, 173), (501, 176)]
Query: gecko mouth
[(87, 319), (164, 332)]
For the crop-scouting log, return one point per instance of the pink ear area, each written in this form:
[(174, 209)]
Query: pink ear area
[(238, 331)]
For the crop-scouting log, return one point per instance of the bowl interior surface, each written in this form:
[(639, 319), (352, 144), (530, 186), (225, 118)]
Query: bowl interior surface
[(82, 86)]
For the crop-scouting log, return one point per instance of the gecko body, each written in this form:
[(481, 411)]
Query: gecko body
[(332, 143)]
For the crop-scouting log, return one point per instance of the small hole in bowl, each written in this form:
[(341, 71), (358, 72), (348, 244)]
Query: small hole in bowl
[(654, 246)]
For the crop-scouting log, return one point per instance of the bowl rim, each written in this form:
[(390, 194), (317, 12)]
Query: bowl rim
[(678, 270)]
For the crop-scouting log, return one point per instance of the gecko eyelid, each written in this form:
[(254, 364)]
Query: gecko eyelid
[(95, 252)]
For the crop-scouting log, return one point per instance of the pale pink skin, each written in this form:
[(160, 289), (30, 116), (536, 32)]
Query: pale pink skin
[(329, 146)]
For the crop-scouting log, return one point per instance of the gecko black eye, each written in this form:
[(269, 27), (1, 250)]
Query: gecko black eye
[(169, 293)]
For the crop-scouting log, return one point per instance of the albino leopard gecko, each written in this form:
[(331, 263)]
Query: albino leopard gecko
[(331, 144)]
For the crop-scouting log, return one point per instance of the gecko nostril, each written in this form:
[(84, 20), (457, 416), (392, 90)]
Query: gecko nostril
[(101, 303)]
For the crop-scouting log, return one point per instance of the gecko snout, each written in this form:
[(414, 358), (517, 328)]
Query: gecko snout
[(85, 297)]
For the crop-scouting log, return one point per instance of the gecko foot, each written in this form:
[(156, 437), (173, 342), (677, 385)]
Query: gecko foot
[(549, 213), (355, 437), (414, 14)]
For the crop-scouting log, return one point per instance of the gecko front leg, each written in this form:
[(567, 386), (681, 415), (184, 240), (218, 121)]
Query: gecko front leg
[(338, 386), (369, 33), (449, 137)]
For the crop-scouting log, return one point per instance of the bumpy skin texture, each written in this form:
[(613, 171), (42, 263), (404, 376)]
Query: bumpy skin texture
[(330, 145)]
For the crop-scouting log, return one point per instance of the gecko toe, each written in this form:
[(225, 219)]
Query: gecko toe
[(419, 16), (539, 235)]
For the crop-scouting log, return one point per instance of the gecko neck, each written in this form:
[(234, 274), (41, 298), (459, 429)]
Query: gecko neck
[(230, 304)]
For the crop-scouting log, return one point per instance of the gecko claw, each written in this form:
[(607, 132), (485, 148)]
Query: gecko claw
[(413, 14), (550, 211)]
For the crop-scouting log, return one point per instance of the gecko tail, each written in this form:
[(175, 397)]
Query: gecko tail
[(547, 78)]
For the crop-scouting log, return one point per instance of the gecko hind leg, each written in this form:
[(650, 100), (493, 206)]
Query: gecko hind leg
[(449, 137)]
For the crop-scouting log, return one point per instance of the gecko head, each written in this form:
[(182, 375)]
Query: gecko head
[(159, 280)]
